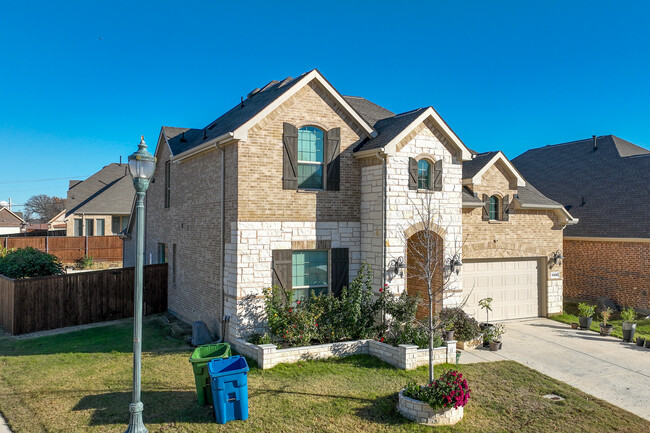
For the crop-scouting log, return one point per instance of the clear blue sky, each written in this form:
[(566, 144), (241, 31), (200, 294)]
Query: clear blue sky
[(81, 81)]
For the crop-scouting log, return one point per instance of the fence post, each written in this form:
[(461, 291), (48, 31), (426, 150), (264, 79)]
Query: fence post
[(47, 248), (86, 246)]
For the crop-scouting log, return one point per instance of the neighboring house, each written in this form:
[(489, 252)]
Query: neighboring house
[(604, 182), (101, 204), (58, 222), (11, 222), (299, 186)]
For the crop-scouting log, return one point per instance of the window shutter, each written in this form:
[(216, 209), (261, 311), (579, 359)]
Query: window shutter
[(290, 157), (282, 261), (340, 270), (413, 173), (333, 158), (505, 205), (437, 175), (486, 207)]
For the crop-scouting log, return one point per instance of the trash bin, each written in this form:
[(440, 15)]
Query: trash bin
[(199, 359), (229, 388)]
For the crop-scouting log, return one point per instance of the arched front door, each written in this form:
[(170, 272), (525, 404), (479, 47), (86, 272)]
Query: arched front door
[(424, 250)]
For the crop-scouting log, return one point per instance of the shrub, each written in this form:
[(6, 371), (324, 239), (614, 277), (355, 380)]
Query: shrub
[(465, 328), (586, 310), (450, 389), (293, 325), (629, 315), (411, 333), (260, 339), (358, 309), (84, 262), (29, 262)]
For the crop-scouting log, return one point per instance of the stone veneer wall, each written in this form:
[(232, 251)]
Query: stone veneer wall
[(421, 412), (402, 204), (405, 357), (616, 269)]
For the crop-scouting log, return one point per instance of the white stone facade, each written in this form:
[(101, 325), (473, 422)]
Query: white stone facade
[(421, 412)]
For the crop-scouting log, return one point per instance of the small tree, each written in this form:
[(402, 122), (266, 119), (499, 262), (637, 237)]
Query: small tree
[(427, 258), (29, 262)]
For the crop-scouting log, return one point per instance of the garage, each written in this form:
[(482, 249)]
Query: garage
[(513, 285)]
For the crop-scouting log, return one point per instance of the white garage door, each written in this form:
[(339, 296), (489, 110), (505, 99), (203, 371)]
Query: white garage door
[(513, 286)]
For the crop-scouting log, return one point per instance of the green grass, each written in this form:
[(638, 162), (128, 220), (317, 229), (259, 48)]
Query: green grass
[(570, 315), (81, 382)]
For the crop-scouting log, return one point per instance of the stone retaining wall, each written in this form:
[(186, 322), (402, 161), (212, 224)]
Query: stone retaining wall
[(404, 356), (421, 412)]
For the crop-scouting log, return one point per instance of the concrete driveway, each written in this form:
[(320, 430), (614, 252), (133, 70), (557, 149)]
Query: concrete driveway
[(604, 367)]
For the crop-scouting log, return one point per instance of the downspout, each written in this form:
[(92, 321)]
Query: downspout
[(383, 219), (223, 245)]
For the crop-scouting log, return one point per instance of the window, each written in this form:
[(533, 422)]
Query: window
[(101, 227), (494, 208), (90, 227), (119, 223), (309, 274), (424, 174), (162, 253), (167, 184), (78, 227), (310, 157)]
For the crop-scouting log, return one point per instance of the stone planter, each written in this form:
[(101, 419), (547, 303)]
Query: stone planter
[(421, 412), (469, 345)]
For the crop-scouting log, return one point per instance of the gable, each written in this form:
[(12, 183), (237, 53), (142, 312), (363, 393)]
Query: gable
[(475, 169), (9, 219), (428, 129)]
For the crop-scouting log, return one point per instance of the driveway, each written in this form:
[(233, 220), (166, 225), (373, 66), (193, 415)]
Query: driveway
[(604, 367)]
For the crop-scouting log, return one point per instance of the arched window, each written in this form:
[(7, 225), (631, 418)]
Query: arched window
[(424, 174), (495, 207), (310, 157)]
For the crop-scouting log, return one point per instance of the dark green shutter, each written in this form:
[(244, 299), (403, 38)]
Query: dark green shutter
[(437, 175), (505, 215), (290, 157), (413, 173), (340, 270), (333, 158), (486, 207), (282, 261)]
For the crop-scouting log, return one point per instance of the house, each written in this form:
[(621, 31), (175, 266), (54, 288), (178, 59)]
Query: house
[(11, 222), (58, 223), (604, 182), (101, 204), (299, 186)]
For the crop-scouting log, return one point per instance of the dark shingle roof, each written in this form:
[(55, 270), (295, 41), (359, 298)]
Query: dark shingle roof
[(469, 199), (473, 166), (613, 180), (109, 191), (388, 129), (369, 111)]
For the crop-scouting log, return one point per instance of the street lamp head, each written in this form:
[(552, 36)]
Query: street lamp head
[(142, 165)]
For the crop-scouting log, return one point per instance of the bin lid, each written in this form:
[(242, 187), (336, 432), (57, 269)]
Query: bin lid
[(227, 366)]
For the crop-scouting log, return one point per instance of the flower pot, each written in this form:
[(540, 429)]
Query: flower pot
[(495, 345), (449, 335), (469, 345), (422, 413), (574, 325), (606, 329), (585, 322), (484, 327), (640, 341), (628, 331), (647, 344)]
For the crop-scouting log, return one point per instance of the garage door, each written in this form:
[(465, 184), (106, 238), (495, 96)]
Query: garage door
[(513, 286)]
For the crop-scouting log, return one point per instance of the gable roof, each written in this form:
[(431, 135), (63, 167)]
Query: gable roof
[(109, 191), (16, 216), (474, 169), (370, 111), (391, 130), (613, 179)]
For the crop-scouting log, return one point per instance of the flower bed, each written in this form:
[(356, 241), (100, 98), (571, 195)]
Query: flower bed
[(421, 412), (404, 356)]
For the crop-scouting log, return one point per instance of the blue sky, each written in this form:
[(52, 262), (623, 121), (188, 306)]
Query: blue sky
[(81, 81)]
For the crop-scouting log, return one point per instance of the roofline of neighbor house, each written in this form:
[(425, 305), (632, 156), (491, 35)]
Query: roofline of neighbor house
[(9, 210), (604, 239)]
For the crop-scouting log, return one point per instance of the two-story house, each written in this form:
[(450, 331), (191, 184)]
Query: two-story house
[(298, 185)]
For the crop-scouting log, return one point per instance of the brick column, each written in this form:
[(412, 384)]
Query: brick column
[(267, 358), (407, 356), (451, 351)]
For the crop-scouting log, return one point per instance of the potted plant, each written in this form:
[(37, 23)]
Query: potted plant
[(439, 403), (448, 330), (640, 341), (574, 325), (606, 328), (494, 334), (485, 304), (585, 314), (629, 323)]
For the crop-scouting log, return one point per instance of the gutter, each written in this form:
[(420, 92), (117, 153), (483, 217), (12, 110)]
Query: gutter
[(203, 147), (383, 158)]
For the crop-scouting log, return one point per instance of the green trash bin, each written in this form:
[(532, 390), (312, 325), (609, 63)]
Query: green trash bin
[(200, 358)]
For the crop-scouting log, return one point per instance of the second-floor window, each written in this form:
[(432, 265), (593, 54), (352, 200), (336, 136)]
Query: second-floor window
[(310, 158), (424, 174), (495, 208)]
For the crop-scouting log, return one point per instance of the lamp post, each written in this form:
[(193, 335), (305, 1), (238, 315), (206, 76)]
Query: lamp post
[(142, 165)]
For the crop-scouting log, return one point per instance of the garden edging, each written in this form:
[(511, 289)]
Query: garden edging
[(422, 413), (404, 356)]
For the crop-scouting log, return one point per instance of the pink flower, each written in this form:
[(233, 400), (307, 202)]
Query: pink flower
[(298, 302)]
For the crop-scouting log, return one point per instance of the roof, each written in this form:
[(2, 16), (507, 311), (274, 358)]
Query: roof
[(469, 200), (17, 217), (369, 111), (473, 166), (388, 129), (605, 188), (109, 191)]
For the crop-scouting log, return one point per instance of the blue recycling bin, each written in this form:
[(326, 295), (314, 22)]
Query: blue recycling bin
[(229, 383)]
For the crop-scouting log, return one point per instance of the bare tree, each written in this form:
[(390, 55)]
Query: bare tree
[(429, 262), (43, 206)]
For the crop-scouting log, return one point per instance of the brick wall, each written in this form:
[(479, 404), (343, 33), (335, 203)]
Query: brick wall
[(616, 269)]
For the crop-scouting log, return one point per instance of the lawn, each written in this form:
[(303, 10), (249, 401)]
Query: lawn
[(570, 315), (81, 382)]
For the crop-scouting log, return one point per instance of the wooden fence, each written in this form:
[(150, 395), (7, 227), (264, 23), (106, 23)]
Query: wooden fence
[(37, 304), (70, 248)]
